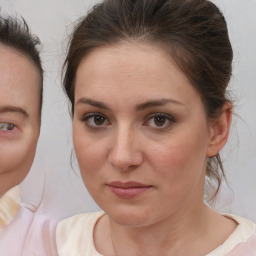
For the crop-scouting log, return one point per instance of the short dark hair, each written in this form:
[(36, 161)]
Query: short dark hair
[(193, 32), (15, 34)]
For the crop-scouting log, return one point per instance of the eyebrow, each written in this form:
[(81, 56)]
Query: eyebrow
[(157, 103), (94, 103), (139, 107), (12, 109)]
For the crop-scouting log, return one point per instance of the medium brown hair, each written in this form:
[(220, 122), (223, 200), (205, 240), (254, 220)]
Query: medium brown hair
[(193, 32)]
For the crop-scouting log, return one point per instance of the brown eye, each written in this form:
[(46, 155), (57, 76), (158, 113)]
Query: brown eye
[(95, 120), (99, 120), (159, 120)]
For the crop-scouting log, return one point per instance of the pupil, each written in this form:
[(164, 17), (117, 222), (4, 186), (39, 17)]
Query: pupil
[(159, 120), (99, 120), (10, 126)]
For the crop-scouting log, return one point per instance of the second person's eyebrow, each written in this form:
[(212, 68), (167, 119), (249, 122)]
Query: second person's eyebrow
[(13, 109)]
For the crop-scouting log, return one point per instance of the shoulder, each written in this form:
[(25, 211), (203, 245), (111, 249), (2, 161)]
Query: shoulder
[(9, 206), (241, 242), (81, 223), (246, 248), (245, 229), (71, 233), (246, 238), (77, 220)]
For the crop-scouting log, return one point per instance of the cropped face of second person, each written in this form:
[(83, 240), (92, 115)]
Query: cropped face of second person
[(19, 116), (141, 134)]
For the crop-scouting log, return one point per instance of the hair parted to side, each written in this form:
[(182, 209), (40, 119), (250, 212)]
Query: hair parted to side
[(193, 32), (14, 33)]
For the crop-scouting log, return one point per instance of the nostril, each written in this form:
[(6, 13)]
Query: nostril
[(125, 160), (120, 163)]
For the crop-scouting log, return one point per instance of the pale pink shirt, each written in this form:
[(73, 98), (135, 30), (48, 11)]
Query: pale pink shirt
[(74, 237), (29, 233)]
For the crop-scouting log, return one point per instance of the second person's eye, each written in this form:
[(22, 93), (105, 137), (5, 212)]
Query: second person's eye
[(6, 126)]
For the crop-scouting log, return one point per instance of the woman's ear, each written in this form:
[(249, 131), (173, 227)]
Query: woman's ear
[(219, 130)]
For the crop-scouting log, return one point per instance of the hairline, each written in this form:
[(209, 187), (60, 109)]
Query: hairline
[(7, 47)]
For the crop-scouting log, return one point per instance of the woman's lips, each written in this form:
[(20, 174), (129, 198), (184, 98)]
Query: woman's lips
[(127, 190)]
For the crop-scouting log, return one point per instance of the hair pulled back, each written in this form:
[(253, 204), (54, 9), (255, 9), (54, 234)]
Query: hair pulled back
[(193, 32)]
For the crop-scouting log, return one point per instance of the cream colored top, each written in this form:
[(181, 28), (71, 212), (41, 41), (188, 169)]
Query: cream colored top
[(9, 206), (74, 237)]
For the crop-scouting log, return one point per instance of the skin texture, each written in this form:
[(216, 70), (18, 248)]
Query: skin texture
[(120, 135), (19, 116)]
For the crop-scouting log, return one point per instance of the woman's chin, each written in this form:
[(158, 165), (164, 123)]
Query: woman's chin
[(129, 218)]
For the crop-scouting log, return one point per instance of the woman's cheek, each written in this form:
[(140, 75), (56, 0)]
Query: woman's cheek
[(17, 155), (175, 162), (13, 157), (87, 156)]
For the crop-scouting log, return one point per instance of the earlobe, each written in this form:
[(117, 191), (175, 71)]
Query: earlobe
[(219, 130)]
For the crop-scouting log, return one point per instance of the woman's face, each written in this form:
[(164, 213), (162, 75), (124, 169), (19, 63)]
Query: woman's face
[(140, 134), (19, 116)]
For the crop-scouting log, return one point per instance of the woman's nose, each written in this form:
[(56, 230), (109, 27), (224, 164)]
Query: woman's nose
[(125, 153)]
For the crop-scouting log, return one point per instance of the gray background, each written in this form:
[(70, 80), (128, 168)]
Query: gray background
[(56, 187)]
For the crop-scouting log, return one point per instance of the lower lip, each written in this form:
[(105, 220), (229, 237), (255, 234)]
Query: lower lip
[(128, 193)]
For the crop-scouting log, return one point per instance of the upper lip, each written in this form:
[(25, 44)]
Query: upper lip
[(128, 184)]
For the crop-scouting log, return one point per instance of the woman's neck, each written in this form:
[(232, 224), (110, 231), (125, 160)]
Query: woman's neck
[(195, 232)]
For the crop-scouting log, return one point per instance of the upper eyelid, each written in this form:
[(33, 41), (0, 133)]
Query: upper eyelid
[(10, 120), (168, 117), (146, 118), (161, 114), (7, 123), (91, 114)]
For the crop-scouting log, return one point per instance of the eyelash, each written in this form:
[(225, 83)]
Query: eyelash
[(87, 118), (168, 120)]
